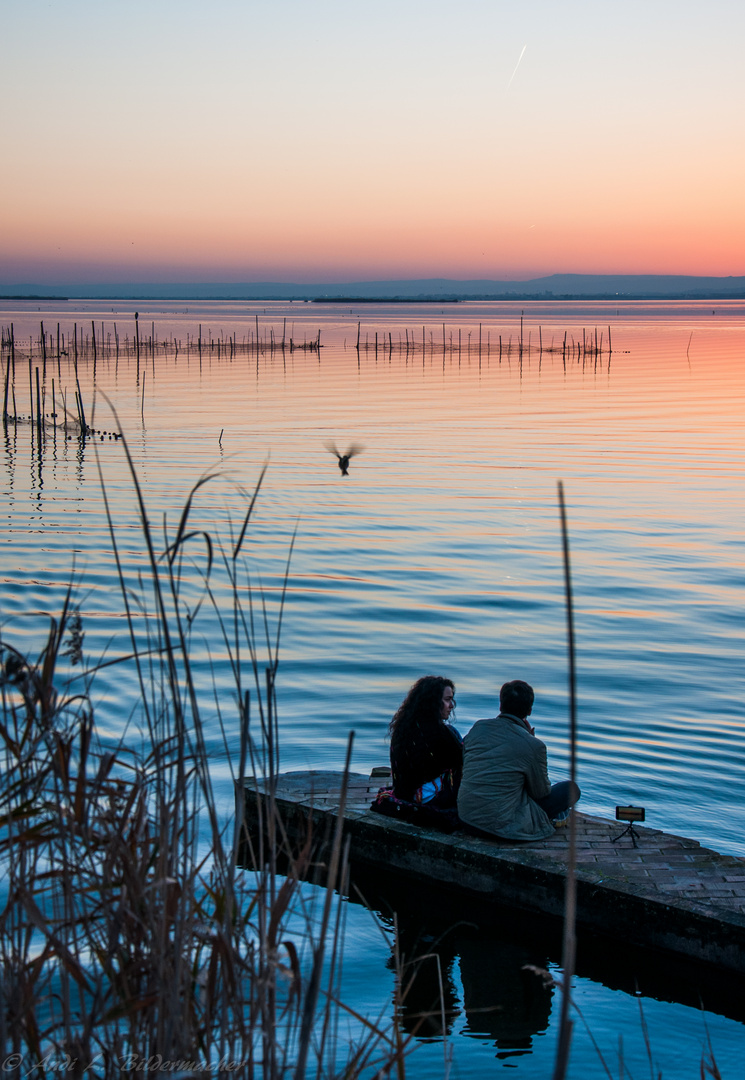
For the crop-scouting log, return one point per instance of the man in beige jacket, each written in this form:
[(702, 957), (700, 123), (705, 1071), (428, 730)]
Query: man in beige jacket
[(505, 790)]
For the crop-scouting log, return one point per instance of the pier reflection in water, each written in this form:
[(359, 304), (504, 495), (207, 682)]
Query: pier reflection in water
[(506, 989), (477, 976)]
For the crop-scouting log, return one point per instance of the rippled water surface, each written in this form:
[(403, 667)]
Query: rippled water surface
[(440, 552)]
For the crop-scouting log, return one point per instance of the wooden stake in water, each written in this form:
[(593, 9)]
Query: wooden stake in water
[(39, 415), (81, 410), (5, 399)]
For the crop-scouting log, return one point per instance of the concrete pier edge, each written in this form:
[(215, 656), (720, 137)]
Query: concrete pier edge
[(669, 892)]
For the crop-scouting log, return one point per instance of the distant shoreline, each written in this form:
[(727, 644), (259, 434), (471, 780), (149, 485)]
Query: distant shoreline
[(509, 297), (28, 297), (388, 299), (435, 290)]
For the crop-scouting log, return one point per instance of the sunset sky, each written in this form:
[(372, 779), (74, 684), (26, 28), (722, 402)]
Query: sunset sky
[(332, 140)]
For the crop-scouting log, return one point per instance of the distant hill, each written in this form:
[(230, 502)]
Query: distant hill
[(556, 287)]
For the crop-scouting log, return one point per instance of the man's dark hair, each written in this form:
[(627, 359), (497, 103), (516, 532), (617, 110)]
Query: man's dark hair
[(517, 698)]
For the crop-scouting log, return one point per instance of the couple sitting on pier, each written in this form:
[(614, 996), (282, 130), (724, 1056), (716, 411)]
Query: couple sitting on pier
[(494, 782)]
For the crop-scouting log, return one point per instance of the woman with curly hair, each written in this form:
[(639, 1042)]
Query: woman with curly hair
[(426, 752)]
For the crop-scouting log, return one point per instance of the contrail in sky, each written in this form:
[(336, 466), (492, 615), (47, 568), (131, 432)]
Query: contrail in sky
[(517, 65)]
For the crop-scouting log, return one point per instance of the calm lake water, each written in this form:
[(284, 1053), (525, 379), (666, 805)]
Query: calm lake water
[(440, 552)]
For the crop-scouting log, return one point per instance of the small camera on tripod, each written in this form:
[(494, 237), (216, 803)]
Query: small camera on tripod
[(631, 815)]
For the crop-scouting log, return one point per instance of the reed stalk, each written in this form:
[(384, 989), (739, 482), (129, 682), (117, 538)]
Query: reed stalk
[(569, 948)]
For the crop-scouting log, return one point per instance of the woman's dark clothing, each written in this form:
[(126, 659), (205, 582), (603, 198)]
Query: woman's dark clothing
[(423, 754)]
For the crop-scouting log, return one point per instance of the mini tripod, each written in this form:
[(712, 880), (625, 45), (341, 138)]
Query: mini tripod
[(629, 814), (628, 831)]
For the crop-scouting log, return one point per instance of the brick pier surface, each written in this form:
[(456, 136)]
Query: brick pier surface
[(668, 891)]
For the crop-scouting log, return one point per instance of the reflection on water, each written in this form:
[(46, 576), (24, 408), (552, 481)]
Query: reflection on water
[(479, 976), (458, 977), (505, 997), (438, 552)]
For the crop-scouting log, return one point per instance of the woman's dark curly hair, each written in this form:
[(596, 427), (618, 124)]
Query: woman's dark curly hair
[(422, 706)]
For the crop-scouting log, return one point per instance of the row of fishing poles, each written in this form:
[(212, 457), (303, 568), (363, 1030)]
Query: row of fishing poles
[(102, 344), (589, 347)]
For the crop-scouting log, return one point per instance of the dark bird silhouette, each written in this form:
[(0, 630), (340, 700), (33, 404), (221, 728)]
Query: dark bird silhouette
[(343, 459)]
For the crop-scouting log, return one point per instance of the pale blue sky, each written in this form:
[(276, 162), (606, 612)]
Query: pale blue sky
[(270, 139)]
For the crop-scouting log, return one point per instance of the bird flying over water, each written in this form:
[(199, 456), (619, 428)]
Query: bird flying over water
[(343, 459)]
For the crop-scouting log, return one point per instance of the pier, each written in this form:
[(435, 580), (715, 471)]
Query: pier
[(667, 892)]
